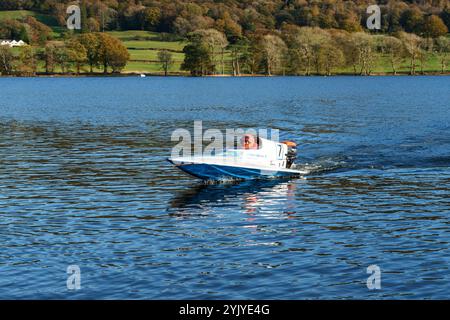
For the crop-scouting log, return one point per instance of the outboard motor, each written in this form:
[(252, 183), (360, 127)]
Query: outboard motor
[(291, 154)]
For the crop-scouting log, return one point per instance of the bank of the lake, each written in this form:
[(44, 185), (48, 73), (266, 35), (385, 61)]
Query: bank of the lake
[(187, 75)]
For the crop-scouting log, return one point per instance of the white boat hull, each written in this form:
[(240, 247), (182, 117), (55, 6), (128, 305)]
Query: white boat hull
[(216, 171)]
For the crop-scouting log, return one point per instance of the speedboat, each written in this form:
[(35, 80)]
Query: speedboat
[(256, 158)]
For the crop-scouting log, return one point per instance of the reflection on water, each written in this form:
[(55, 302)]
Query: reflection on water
[(83, 180), (254, 194)]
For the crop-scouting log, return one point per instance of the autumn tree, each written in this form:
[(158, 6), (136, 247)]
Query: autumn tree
[(49, 57), (216, 42), (24, 34), (165, 58), (103, 50), (76, 53), (193, 17), (11, 29), (425, 50), (411, 43), (391, 17), (313, 47), (111, 53), (229, 26), (91, 44), (273, 48), (346, 42), (304, 44), (92, 25), (240, 53), (433, 27), (150, 18), (393, 48), (364, 52), (255, 57), (412, 20), (84, 16), (318, 40), (105, 15), (240, 18), (197, 59), (351, 22), (6, 60), (27, 59), (331, 56), (62, 58), (442, 47), (37, 32)]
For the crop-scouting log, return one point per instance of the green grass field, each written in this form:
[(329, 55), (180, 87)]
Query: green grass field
[(152, 55), (20, 14), (146, 40), (382, 65), (43, 18), (154, 68), (144, 46)]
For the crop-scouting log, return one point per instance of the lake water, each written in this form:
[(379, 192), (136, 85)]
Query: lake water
[(84, 181)]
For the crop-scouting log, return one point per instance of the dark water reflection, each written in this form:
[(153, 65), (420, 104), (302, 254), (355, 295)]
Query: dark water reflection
[(83, 180)]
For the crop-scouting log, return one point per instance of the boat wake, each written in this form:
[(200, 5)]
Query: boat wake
[(324, 165)]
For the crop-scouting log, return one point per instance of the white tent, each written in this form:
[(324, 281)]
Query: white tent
[(12, 43)]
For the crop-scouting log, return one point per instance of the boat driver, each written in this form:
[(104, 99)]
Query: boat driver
[(249, 141)]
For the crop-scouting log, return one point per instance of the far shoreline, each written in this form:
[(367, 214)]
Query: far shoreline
[(143, 75)]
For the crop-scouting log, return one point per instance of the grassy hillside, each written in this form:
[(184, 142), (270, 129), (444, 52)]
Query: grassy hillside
[(143, 47), (43, 18), (19, 14)]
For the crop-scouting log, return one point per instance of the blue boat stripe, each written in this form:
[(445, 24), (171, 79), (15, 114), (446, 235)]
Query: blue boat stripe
[(231, 173)]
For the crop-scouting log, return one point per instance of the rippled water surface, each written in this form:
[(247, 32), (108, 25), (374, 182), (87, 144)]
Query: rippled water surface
[(84, 181)]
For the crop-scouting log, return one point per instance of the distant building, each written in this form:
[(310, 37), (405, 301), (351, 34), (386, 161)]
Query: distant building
[(12, 43)]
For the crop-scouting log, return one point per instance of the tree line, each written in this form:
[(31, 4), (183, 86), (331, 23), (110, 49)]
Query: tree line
[(291, 51), (310, 50), (95, 50), (237, 18)]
